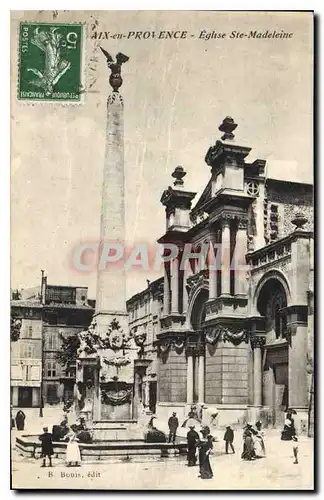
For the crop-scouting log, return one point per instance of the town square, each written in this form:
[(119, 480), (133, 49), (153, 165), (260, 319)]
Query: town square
[(181, 358)]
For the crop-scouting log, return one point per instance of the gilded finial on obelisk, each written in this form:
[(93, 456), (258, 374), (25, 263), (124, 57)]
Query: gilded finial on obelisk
[(115, 78)]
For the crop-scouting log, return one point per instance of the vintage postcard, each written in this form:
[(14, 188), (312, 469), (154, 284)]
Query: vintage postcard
[(162, 254)]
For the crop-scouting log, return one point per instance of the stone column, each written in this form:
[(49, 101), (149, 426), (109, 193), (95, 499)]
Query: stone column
[(225, 256), (111, 282), (190, 375), (201, 377), (97, 397), (241, 284), (298, 386), (186, 274), (166, 290), (257, 343), (175, 286), (213, 265), (147, 393)]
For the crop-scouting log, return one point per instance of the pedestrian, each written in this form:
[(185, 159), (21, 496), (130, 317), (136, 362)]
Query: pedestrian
[(229, 438), (295, 449), (12, 420), (205, 446), (259, 446), (20, 420), (289, 434), (173, 424), (248, 445), (192, 440), (47, 446), (73, 454)]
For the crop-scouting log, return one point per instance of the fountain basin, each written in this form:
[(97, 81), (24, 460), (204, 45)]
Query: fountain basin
[(133, 449)]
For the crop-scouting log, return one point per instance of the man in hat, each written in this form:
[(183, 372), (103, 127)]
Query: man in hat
[(192, 440), (173, 424), (229, 438)]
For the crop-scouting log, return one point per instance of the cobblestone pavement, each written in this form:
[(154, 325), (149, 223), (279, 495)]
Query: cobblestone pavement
[(275, 471)]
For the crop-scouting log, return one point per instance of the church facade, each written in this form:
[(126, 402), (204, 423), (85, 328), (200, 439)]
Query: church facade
[(236, 330)]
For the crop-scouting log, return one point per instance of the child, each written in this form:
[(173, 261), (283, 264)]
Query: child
[(47, 447), (73, 450), (295, 449), (229, 438)]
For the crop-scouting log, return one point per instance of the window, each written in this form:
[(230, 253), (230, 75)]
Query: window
[(274, 222), (27, 351), (51, 341), (252, 189), (51, 394), (70, 372), (28, 332), (52, 318), (280, 318), (51, 368)]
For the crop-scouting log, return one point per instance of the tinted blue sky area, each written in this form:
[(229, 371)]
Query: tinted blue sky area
[(176, 94)]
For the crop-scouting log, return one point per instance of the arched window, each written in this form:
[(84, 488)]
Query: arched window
[(272, 303), (280, 317)]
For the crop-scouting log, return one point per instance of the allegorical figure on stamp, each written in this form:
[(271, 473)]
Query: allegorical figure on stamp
[(115, 78)]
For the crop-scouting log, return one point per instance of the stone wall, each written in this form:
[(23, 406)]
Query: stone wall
[(172, 377), (227, 374), (214, 374), (291, 197)]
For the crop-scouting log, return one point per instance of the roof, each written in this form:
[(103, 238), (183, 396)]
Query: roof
[(205, 196), (34, 304), (148, 289), (68, 306), (26, 303), (307, 185)]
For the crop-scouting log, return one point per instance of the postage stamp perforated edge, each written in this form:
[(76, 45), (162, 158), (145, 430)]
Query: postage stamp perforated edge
[(83, 62)]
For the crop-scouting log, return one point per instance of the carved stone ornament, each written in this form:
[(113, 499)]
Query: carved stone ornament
[(116, 335), (140, 338), (226, 335), (235, 337), (227, 127), (257, 341), (164, 346), (214, 335), (177, 343), (116, 395), (242, 223)]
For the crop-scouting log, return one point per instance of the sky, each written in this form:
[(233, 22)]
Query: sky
[(176, 94)]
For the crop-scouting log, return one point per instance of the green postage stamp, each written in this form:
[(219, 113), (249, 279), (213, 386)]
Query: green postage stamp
[(50, 62)]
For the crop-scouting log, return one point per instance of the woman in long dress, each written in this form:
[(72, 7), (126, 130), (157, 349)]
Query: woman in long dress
[(20, 420), (248, 444), (72, 450), (205, 446), (259, 447)]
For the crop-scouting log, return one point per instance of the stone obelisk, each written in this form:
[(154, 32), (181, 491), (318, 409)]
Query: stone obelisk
[(111, 283)]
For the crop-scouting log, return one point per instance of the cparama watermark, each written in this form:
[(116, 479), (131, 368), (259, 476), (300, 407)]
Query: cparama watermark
[(88, 257)]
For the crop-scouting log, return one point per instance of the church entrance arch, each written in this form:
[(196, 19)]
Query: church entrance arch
[(198, 312), (272, 303)]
